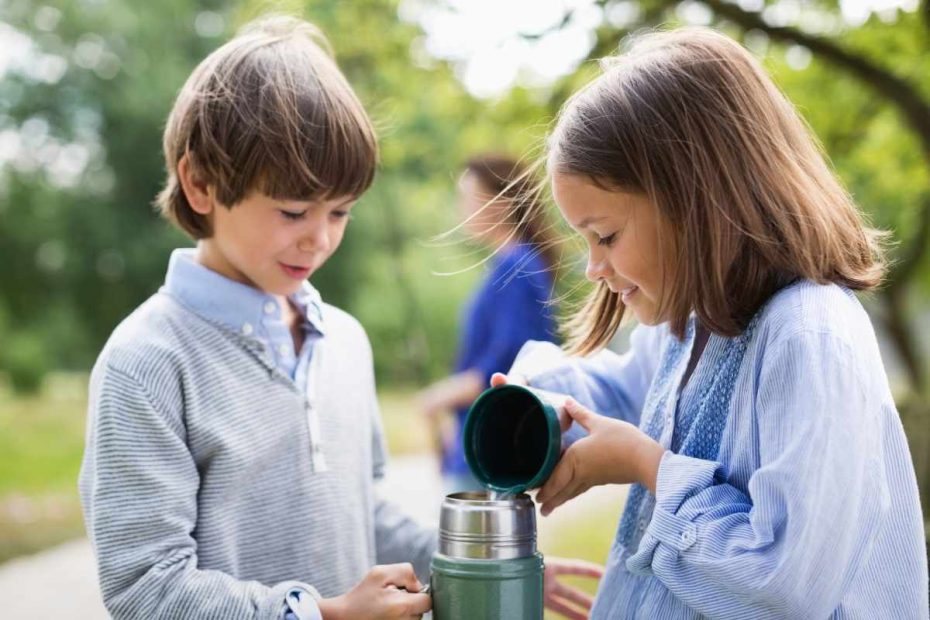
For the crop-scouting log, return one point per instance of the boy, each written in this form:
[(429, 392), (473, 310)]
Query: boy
[(233, 431)]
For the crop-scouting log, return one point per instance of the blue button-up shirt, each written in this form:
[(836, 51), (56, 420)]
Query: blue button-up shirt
[(807, 505), (249, 311)]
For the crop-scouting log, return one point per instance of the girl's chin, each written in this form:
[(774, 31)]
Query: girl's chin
[(644, 316)]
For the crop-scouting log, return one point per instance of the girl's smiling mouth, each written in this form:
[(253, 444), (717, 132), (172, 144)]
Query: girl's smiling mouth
[(627, 293)]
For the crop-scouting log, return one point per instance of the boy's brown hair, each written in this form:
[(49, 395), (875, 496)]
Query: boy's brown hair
[(745, 198), (269, 111)]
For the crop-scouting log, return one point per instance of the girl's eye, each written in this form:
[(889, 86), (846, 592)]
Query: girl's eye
[(339, 215), (607, 241), (293, 215)]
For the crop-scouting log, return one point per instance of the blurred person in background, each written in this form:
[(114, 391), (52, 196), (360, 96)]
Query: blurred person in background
[(512, 304)]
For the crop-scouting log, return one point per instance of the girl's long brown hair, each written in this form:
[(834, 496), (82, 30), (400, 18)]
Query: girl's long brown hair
[(690, 119)]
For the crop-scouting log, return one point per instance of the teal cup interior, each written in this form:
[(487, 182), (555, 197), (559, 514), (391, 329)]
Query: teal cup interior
[(512, 439)]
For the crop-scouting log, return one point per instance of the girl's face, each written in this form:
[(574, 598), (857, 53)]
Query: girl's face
[(622, 233), (482, 220)]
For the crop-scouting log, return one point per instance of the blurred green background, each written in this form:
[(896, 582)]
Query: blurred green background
[(85, 86)]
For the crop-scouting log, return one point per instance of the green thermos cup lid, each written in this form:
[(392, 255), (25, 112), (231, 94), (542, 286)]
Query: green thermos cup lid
[(512, 438)]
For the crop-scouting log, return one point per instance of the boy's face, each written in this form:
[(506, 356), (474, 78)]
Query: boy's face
[(622, 233), (274, 245)]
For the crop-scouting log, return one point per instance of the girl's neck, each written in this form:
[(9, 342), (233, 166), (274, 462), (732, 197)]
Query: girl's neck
[(501, 237)]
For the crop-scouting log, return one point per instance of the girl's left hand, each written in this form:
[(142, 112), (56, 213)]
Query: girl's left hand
[(557, 595), (614, 452)]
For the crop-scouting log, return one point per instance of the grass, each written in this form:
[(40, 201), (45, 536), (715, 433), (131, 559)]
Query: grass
[(584, 534), (41, 443)]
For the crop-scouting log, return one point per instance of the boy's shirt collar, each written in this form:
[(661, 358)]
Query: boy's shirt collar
[(238, 306)]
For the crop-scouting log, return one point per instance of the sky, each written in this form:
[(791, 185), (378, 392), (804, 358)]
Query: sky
[(487, 39), (493, 45)]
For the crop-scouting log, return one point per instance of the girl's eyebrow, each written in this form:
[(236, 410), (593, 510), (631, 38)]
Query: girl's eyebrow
[(590, 220)]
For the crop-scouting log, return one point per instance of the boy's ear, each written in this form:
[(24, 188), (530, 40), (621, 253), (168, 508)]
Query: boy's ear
[(198, 193)]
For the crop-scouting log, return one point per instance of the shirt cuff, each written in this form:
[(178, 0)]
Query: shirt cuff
[(679, 478), (300, 604)]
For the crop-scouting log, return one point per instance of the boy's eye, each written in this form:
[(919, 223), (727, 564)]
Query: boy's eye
[(606, 241), (292, 215), (340, 214)]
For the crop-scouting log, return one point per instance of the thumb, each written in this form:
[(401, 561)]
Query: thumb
[(498, 378), (583, 416)]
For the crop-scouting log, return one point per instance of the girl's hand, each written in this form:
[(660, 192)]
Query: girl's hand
[(557, 596), (614, 452), (387, 591), (499, 378), (556, 400)]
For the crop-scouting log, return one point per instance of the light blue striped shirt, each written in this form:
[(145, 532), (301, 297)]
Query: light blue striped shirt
[(809, 508), (217, 485)]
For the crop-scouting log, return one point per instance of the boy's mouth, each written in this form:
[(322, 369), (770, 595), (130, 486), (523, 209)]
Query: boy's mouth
[(295, 271)]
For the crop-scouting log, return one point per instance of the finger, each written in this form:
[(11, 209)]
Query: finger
[(402, 576), (563, 474), (418, 604), (581, 568), (498, 378), (561, 607), (571, 490), (569, 593), (579, 413)]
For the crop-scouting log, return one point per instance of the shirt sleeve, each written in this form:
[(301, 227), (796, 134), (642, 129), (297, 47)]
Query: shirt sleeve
[(399, 538), (301, 605), (138, 487), (791, 545), (610, 384)]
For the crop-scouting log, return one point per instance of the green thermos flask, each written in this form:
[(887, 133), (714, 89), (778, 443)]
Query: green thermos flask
[(487, 566)]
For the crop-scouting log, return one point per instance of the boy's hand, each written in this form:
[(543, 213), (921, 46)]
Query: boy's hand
[(557, 596), (614, 452), (387, 591)]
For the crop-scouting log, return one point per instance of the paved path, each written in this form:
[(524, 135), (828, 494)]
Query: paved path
[(62, 582)]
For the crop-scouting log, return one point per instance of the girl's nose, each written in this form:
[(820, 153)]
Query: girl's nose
[(596, 269)]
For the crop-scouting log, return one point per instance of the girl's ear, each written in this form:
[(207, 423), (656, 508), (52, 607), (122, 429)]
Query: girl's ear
[(198, 193)]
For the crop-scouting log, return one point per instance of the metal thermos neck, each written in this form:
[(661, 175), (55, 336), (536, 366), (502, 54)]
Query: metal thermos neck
[(474, 526)]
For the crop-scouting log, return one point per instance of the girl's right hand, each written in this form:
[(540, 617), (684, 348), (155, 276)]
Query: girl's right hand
[(387, 591), (499, 378), (556, 400)]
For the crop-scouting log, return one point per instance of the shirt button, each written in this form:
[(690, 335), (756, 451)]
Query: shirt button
[(687, 537), (246, 329), (283, 349), (270, 307)]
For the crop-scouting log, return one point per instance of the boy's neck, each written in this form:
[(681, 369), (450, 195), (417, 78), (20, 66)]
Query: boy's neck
[(208, 256)]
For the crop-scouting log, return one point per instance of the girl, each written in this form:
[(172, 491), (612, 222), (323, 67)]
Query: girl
[(511, 306), (772, 476)]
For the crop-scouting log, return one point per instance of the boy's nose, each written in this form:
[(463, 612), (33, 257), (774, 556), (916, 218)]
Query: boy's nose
[(316, 239)]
